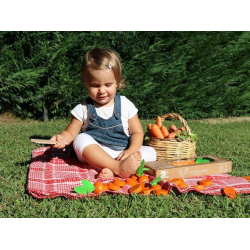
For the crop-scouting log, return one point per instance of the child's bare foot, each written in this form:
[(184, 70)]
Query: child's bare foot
[(105, 173), (129, 165)]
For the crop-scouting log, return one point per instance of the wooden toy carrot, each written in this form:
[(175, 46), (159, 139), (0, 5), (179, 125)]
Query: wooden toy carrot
[(143, 178), (113, 187), (206, 182), (230, 192), (135, 189), (164, 131), (199, 187), (161, 192), (159, 121), (98, 187), (119, 182), (131, 182), (183, 185), (157, 132)]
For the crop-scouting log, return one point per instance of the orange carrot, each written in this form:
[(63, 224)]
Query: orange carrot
[(183, 185), (206, 182), (112, 186), (135, 189), (182, 128), (164, 131), (147, 191), (172, 128), (161, 191), (229, 192), (143, 178), (177, 181), (119, 182), (131, 182), (199, 187), (157, 132), (159, 121), (150, 129), (178, 131), (171, 135), (155, 187)]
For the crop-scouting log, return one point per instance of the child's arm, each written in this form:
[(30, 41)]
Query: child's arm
[(69, 134), (136, 131)]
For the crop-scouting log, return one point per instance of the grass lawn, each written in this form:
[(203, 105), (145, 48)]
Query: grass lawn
[(227, 140)]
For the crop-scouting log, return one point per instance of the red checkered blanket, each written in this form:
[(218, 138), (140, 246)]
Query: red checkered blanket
[(54, 172)]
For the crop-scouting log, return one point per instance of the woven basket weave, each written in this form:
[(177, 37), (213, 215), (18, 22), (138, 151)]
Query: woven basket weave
[(172, 149)]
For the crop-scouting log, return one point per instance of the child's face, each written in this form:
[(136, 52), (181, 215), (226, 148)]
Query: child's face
[(102, 87)]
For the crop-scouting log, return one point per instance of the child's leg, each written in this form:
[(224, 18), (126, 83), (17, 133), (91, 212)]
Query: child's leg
[(148, 153), (87, 149)]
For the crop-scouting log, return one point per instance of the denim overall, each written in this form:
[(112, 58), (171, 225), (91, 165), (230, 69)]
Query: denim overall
[(110, 131)]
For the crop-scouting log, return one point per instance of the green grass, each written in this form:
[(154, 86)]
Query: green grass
[(227, 140)]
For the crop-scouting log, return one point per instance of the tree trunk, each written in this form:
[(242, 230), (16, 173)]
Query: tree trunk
[(45, 112)]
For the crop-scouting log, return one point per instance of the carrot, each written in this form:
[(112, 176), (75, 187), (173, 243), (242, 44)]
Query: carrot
[(182, 128), (150, 129), (145, 186), (246, 177), (164, 131), (161, 191), (206, 182), (177, 181), (229, 192), (199, 187), (157, 132), (135, 189), (147, 191), (134, 177), (131, 182), (143, 178), (183, 185), (172, 128), (155, 187), (171, 135), (159, 121), (119, 182), (112, 186), (178, 131)]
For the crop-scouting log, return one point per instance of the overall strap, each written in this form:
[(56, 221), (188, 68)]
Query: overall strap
[(91, 109), (117, 108)]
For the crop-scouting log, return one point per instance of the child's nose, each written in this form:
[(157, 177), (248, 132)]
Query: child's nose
[(102, 89)]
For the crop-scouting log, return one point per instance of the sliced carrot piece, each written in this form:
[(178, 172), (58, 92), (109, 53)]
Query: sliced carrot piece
[(134, 177), (135, 189), (177, 181), (199, 187), (183, 185), (230, 192), (143, 178), (147, 192), (119, 182), (156, 187), (159, 121), (105, 186), (246, 177), (145, 186), (131, 182), (206, 182), (161, 192), (113, 187)]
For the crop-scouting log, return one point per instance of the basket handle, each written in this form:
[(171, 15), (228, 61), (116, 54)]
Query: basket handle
[(178, 117)]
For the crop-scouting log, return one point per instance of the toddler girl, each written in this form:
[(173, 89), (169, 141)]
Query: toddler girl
[(113, 135)]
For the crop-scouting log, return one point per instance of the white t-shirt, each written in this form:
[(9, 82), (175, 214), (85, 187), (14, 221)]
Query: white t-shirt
[(128, 110)]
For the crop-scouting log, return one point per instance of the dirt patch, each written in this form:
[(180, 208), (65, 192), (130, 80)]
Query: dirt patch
[(226, 120), (9, 118)]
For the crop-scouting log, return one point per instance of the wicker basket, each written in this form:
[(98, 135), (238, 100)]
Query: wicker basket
[(172, 149)]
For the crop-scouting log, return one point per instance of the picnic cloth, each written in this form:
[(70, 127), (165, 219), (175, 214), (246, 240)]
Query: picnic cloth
[(54, 172)]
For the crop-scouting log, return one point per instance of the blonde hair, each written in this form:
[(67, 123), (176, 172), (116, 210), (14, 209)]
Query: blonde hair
[(99, 59)]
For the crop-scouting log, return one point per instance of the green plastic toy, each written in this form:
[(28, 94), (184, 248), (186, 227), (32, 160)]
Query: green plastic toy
[(201, 160), (87, 187), (157, 179), (141, 168)]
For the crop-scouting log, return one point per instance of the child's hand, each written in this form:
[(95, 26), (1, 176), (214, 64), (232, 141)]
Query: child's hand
[(61, 143)]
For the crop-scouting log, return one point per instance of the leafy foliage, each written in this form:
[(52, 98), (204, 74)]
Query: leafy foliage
[(195, 74)]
